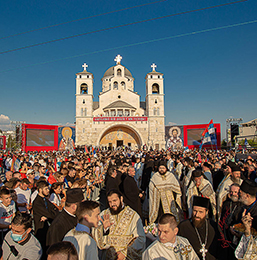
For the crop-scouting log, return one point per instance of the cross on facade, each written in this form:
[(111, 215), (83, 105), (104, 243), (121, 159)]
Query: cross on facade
[(203, 250), (85, 66), (153, 66), (118, 59)]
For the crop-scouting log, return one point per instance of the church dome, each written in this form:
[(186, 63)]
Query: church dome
[(110, 72)]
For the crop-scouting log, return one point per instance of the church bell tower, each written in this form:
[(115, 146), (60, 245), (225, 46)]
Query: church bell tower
[(84, 104), (155, 108)]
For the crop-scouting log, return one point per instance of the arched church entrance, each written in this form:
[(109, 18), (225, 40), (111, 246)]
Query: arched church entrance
[(119, 136)]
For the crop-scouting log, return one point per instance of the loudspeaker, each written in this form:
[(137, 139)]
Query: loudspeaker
[(234, 129)]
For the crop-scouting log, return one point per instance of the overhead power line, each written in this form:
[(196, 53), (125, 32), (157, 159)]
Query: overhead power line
[(81, 19), (119, 26), (136, 44)]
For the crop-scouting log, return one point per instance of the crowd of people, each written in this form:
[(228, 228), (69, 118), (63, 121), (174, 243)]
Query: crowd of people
[(124, 204)]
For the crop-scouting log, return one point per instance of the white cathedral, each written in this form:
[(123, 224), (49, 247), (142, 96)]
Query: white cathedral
[(119, 118)]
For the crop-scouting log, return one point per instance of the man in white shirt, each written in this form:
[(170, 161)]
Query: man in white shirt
[(88, 217), (169, 245), (170, 162), (23, 195)]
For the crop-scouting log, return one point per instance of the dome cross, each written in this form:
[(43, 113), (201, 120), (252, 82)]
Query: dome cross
[(85, 66), (118, 59), (153, 66)]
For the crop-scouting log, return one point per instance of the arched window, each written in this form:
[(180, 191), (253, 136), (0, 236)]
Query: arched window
[(118, 72), (115, 85), (83, 88), (158, 111), (85, 112), (123, 85), (155, 88), (81, 112), (154, 111)]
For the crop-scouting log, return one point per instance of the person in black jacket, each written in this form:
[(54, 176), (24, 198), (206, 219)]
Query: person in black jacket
[(44, 212), (132, 194), (67, 219), (111, 182)]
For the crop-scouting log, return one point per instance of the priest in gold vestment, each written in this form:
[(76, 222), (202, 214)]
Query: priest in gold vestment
[(200, 186), (169, 246), (121, 234), (164, 195)]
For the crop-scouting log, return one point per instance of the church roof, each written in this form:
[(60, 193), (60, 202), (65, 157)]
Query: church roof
[(119, 104), (250, 123), (110, 72), (155, 73), (84, 72)]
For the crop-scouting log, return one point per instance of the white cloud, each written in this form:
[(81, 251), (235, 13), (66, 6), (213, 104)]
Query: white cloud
[(5, 123), (172, 123)]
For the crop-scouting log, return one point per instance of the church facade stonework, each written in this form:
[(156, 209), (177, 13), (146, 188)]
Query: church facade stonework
[(119, 118)]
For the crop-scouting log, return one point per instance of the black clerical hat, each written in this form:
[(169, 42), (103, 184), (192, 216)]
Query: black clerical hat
[(162, 163), (207, 165), (74, 195), (201, 202), (196, 173), (249, 187), (235, 168), (231, 164)]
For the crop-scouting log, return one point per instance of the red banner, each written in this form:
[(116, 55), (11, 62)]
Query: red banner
[(120, 118)]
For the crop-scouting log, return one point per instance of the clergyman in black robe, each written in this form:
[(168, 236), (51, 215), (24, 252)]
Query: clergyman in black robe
[(67, 219), (131, 192), (210, 237), (44, 213)]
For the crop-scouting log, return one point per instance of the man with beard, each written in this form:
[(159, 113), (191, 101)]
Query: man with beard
[(122, 235), (164, 194), (247, 196), (44, 212), (230, 209), (201, 232), (223, 189), (200, 186)]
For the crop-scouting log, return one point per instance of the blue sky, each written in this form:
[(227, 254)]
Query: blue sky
[(211, 75)]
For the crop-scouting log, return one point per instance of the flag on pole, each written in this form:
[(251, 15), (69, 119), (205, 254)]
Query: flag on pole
[(199, 158), (55, 164), (86, 150), (206, 139), (246, 144), (186, 149), (211, 129)]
